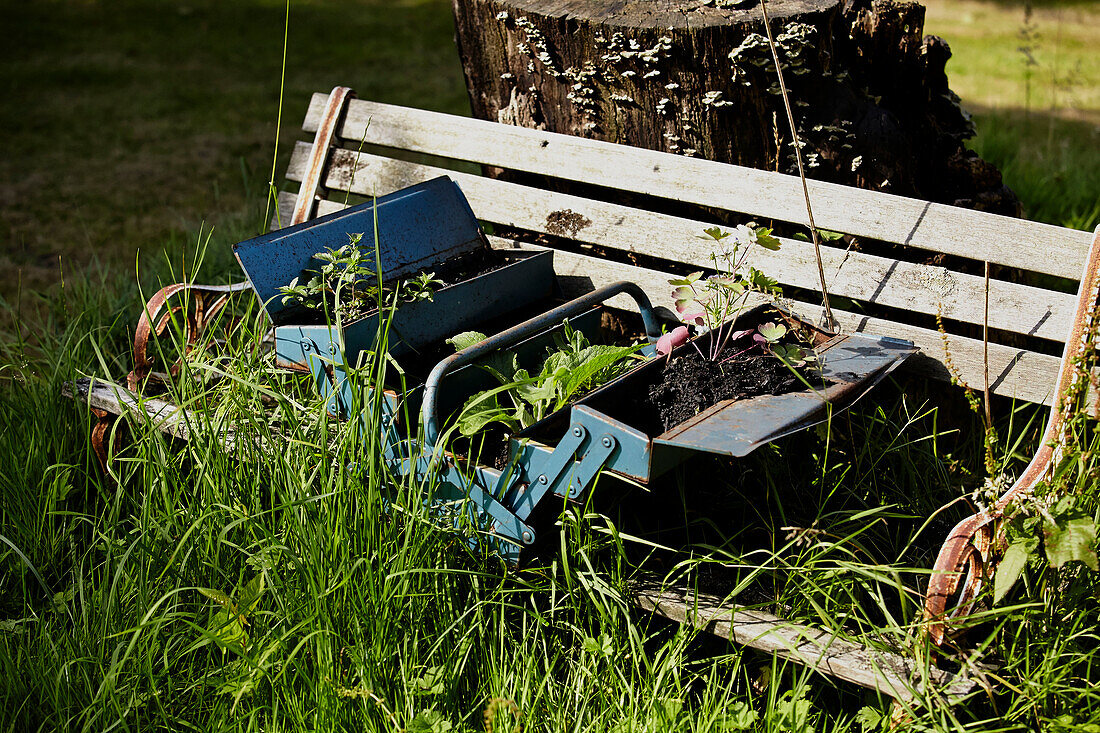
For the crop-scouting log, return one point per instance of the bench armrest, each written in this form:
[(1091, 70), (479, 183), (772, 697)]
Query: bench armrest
[(207, 302)]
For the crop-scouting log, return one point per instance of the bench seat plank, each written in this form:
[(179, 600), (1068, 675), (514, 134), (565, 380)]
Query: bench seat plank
[(891, 674)]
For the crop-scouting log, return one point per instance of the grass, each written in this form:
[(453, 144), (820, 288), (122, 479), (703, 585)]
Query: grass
[(1032, 80), (128, 124), (188, 591)]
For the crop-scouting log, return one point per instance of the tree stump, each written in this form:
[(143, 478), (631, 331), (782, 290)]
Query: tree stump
[(696, 77)]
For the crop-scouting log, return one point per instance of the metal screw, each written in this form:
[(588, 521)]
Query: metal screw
[(527, 537), (607, 441), (542, 479), (578, 431), (305, 345)]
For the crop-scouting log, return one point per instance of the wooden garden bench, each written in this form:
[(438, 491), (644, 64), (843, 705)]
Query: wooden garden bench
[(933, 272)]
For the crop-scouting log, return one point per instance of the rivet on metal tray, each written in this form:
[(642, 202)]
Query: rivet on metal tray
[(304, 343), (606, 441), (577, 430), (542, 479), (527, 537)]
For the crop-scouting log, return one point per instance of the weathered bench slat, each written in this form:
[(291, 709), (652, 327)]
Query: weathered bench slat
[(1014, 373), (937, 227), (890, 674), (1013, 307)]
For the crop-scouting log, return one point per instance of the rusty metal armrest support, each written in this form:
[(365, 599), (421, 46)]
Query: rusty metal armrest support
[(969, 555), (159, 313)]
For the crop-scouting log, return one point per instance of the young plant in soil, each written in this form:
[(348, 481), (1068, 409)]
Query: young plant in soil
[(572, 368), (722, 365), (352, 290), (713, 303)]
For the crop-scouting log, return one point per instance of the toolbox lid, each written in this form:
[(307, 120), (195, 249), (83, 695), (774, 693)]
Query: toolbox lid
[(853, 363), (418, 227)]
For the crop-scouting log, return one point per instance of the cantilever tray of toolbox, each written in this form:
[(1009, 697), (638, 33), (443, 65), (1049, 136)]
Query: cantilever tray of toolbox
[(430, 226)]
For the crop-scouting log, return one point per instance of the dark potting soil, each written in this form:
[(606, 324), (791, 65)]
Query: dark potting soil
[(678, 390), (689, 383), (481, 261)]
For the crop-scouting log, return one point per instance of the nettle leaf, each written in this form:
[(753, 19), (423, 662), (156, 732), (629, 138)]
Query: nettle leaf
[(482, 410), (504, 365), (1071, 538), (538, 392), (596, 359), (466, 339)]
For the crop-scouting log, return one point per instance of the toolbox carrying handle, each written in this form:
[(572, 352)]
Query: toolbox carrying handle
[(512, 336)]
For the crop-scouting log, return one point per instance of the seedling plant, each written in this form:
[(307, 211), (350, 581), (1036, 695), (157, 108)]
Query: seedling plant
[(713, 303), (573, 367), (345, 281)]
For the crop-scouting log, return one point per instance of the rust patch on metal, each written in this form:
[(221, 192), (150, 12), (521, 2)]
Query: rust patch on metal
[(566, 223), (318, 155), (206, 302)]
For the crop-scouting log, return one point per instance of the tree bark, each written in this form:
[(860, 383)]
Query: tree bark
[(696, 77)]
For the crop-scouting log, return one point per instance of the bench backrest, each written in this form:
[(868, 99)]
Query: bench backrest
[(374, 149)]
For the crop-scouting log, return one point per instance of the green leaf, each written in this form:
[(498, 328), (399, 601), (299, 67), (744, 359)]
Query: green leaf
[(249, 596), (228, 630), (762, 282), (1071, 539), (765, 239), (429, 721), (683, 292), (870, 718), (601, 647), (504, 365), (772, 332), (430, 683), (793, 712), (598, 359), (482, 410), (739, 715), (1012, 566), (466, 339)]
